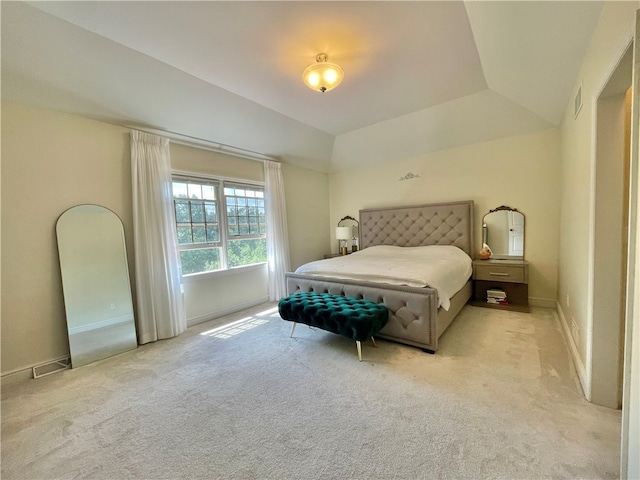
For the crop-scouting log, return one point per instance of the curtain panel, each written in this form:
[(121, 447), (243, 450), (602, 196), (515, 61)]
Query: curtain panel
[(277, 235), (159, 294)]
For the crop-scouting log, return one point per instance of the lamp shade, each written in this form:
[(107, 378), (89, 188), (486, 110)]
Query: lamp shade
[(322, 76), (343, 233)]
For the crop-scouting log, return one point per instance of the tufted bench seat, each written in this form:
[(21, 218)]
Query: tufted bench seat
[(357, 319)]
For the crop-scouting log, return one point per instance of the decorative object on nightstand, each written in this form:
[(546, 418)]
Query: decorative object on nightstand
[(501, 278), (353, 226), (343, 234), (485, 253)]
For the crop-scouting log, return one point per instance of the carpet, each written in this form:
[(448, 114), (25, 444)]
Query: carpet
[(236, 398)]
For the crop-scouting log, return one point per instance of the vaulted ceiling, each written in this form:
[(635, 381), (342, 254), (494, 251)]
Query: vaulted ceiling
[(419, 76)]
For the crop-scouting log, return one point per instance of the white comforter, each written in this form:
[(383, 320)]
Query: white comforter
[(445, 268)]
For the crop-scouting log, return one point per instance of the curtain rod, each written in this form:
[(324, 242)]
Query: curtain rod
[(189, 141)]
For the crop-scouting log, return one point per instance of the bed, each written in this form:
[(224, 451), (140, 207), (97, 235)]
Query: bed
[(415, 317)]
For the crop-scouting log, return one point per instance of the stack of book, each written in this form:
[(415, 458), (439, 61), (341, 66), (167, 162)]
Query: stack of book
[(497, 297)]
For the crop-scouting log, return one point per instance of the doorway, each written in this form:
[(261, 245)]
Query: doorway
[(611, 228)]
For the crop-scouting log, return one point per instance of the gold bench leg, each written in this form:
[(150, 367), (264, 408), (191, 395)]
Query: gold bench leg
[(374, 342), (359, 345), (292, 329)]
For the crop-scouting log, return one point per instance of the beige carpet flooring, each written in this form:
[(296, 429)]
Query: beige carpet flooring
[(499, 400)]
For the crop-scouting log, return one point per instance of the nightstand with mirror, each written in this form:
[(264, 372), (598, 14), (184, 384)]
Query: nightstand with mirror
[(502, 280)]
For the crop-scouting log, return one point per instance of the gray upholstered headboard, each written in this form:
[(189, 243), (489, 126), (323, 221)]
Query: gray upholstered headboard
[(434, 224)]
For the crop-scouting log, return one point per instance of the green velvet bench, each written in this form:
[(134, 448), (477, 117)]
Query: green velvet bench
[(357, 319)]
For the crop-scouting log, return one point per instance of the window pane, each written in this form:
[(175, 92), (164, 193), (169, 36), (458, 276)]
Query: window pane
[(199, 235), (208, 192), (213, 234), (195, 191), (182, 211), (197, 212), (210, 213), (184, 235), (247, 251), (201, 260), (247, 218), (242, 205), (179, 190)]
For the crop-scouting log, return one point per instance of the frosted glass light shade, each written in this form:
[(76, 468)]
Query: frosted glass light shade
[(343, 233), (323, 75)]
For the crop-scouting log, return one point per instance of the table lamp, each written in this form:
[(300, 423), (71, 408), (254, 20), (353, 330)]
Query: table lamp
[(342, 235)]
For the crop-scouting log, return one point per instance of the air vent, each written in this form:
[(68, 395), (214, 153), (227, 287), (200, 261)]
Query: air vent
[(577, 102), (51, 367)]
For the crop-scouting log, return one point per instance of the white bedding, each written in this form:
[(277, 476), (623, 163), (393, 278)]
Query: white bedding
[(443, 267)]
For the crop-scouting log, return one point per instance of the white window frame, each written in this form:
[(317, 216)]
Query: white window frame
[(221, 211)]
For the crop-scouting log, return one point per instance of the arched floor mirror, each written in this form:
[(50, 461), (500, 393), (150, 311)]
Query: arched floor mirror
[(95, 283)]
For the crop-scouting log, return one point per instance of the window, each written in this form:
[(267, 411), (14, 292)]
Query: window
[(246, 225), (212, 238)]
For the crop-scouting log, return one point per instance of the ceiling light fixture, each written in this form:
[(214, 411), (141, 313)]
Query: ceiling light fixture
[(322, 76)]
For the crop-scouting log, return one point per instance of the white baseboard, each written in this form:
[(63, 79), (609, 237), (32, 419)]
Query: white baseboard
[(17, 376), (585, 381), (23, 374), (193, 321), (543, 302)]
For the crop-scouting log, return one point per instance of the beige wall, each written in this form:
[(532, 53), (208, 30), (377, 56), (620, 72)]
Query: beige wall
[(52, 161), (198, 160), (307, 196), (611, 38), (609, 41), (520, 171)]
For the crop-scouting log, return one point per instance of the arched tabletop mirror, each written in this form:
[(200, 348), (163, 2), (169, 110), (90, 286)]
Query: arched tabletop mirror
[(95, 283), (348, 234), (503, 230)]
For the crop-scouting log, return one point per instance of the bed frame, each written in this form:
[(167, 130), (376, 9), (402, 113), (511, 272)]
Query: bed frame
[(414, 316)]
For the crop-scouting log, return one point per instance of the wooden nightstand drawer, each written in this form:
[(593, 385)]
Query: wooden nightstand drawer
[(510, 276), (500, 273)]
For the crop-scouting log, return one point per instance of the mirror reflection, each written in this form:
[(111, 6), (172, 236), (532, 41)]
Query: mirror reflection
[(95, 283), (348, 234), (503, 232)]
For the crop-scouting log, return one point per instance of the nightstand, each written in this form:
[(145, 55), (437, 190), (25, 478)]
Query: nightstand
[(511, 276)]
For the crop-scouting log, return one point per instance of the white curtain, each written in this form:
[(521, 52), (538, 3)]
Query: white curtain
[(277, 236), (158, 279)]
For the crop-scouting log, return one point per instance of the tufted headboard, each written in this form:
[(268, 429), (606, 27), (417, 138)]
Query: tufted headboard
[(434, 224)]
